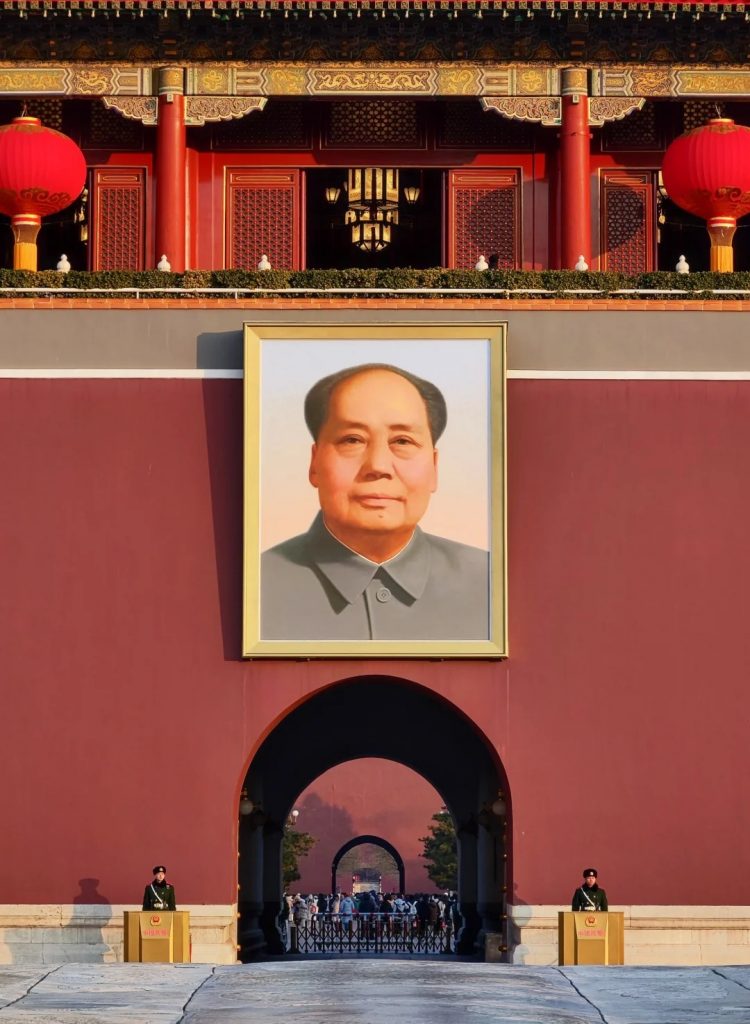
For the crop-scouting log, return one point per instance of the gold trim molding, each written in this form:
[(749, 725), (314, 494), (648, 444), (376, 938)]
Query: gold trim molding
[(524, 81), (135, 108), (539, 109), (76, 80), (200, 110), (603, 109), (678, 82)]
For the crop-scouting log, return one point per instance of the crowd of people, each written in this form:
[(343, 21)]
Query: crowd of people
[(388, 913)]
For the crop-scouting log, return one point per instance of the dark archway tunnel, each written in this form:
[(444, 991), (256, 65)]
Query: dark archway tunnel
[(372, 841), (347, 721)]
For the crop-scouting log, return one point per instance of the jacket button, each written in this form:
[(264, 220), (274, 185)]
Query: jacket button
[(383, 594)]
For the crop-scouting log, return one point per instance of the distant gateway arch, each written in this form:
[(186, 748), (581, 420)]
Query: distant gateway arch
[(373, 841)]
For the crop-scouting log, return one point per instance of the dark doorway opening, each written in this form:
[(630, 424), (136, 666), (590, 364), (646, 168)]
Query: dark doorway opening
[(682, 234), (471, 783), (416, 241), (59, 234), (372, 841)]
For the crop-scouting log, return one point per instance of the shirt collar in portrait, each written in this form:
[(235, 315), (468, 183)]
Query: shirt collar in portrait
[(351, 573)]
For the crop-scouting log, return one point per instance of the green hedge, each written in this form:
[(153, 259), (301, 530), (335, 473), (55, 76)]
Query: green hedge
[(444, 281)]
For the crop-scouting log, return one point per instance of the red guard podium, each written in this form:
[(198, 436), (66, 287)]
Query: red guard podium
[(591, 938), (157, 936)]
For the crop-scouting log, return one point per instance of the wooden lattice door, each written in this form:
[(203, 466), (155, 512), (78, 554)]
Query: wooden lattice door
[(263, 218), (118, 213), (484, 218), (628, 213)]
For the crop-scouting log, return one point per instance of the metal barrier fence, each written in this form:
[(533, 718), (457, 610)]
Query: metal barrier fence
[(370, 933)]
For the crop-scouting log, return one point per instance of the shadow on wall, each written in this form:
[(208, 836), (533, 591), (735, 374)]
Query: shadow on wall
[(222, 408), (84, 936), (72, 933)]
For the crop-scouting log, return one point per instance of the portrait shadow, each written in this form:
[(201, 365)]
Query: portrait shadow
[(223, 415)]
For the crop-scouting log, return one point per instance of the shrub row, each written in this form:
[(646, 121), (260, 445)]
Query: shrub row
[(436, 278)]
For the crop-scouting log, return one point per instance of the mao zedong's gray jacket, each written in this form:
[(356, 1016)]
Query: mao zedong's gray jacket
[(315, 588)]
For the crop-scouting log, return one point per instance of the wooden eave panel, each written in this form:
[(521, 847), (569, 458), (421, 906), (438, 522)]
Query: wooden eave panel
[(470, 6)]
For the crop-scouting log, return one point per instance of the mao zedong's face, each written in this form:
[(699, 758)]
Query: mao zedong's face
[(374, 463)]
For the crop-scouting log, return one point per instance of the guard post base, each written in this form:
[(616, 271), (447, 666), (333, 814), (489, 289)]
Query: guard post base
[(586, 937), (157, 936)]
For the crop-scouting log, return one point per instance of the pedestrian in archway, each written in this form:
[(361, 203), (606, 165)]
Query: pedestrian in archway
[(346, 912)]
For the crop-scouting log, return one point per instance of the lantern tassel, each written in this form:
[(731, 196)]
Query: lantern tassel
[(721, 232), (25, 230)]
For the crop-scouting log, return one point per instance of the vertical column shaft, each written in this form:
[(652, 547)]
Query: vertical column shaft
[(575, 179), (171, 157)]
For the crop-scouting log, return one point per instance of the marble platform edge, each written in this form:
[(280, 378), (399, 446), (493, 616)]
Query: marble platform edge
[(668, 935), (654, 935), (93, 933)]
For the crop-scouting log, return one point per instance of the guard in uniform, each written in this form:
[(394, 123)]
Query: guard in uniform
[(159, 895), (589, 896)]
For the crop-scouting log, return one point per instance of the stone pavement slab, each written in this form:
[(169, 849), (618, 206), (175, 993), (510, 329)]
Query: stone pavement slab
[(388, 992), (665, 995), (107, 994), (15, 981), (372, 991)]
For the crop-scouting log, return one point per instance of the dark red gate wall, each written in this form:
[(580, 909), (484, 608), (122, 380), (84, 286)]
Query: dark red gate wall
[(128, 719)]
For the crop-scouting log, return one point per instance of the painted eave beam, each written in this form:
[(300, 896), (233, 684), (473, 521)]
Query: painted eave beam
[(418, 6)]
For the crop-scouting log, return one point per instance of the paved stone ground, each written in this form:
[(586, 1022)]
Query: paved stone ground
[(372, 992)]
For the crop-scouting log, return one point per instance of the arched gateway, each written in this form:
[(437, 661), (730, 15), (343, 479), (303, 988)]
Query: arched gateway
[(372, 841), (441, 744)]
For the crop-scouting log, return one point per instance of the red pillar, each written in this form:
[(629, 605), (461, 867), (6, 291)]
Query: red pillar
[(171, 158), (575, 179)]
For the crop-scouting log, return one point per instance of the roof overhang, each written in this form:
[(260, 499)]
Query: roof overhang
[(403, 7)]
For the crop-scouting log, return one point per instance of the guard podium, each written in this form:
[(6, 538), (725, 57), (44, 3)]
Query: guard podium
[(586, 937), (157, 936)]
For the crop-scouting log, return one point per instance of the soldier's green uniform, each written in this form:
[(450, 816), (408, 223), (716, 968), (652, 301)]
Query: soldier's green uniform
[(590, 896), (159, 895)]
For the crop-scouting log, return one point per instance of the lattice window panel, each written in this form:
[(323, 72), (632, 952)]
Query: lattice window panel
[(109, 130), (485, 218), (467, 126), (637, 131), (280, 125), (628, 222), (697, 112), (363, 124), (119, 208), (262, 219), (49, 110)]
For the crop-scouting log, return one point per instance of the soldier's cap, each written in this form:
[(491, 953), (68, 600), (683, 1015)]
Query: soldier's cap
[(160, 867), (590, 871)]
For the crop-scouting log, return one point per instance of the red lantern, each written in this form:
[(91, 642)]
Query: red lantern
[(41, 172), (707, 172)]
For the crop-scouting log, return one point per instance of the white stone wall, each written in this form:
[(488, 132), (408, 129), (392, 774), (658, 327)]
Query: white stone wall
[(675, 936), (93, 933)]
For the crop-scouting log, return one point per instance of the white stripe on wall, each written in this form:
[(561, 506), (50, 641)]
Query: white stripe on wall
[(139, 373), (56, 373)]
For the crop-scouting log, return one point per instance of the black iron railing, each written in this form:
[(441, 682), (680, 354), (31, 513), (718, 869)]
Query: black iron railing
[(370, 933)]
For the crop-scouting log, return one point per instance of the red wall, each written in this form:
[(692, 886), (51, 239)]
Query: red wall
[(620, 717), (357, 798)]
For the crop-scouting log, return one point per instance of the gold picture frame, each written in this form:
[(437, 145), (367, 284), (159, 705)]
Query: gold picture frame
[(271, 357)]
